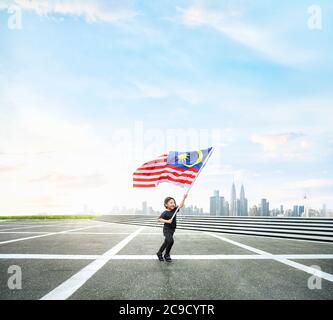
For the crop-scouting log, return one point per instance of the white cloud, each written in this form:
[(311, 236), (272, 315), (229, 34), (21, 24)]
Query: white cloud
[(166, 89), (265, 40), (73, 181), (311, 183), (110, 11), (150, 90), (49, 162), (271, 142), (7, 168), (282, 146)]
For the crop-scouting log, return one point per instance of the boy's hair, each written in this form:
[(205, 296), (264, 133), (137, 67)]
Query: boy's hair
[(167, 199)]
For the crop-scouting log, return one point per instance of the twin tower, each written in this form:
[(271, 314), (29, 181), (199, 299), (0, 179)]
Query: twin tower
[(236, 207)]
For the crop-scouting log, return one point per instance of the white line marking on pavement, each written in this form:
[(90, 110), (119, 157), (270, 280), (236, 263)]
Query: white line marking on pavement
[(99, 233), (48, 223), (77, 233), (49, 256), (255, 235), (305, 256), (45, 235), (192, 257), (296, 265), (28, 256), (25, 227), (31, 222), (67, 288), (40, 226), (24, 232), (277, 238), (224, 256), (150, 233)]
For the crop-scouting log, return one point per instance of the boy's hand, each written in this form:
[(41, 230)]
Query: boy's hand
[(169, 221), (182, 204)]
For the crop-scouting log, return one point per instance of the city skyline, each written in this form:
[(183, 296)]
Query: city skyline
[(222, 207), (219, 206)]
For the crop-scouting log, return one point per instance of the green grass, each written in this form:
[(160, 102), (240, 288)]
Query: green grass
[(39, 217)]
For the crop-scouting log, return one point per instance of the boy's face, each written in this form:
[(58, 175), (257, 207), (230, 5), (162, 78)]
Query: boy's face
[(171, 204)]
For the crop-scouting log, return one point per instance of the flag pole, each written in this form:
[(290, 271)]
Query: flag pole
[(189, 188)]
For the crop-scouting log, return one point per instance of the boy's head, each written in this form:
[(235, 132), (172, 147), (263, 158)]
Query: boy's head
[(169, 203)]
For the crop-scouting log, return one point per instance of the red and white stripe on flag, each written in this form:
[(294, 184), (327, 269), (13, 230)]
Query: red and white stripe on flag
[(151, 173)]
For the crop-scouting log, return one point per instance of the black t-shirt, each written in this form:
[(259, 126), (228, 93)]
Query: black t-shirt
[(168, 215)]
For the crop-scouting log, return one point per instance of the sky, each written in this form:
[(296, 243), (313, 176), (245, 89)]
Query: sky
[(89, 90)]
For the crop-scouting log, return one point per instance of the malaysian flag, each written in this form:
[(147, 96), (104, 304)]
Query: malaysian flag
[(180, 168)]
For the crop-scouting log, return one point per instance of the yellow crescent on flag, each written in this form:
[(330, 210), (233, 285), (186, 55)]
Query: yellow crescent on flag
[(184, 156)]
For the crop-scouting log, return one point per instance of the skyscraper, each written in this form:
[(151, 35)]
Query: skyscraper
[(214, 203), (238, 207), (217, 205), (144, 207), (281, 209), (264, 209), (307, 209), (226, 208), (301, 210), (254, 211), (243, 207), (222, 209), (233, 201)]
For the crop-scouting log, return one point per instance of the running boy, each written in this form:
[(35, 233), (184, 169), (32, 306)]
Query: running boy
[(169, 226)]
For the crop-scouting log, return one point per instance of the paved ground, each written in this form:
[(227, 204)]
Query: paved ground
[(82, 259)]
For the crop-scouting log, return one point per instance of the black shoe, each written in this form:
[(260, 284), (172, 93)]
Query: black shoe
[(160, 257), (167, 259)]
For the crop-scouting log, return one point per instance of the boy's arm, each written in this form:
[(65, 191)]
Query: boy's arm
[(161, 219), (182, 204)]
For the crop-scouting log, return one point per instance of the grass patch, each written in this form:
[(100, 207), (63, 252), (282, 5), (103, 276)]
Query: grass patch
[(41, 217)]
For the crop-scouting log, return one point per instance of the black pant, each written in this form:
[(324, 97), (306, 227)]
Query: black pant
[(168, 241)]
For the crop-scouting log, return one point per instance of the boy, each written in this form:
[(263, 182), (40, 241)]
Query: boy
[(169, 226)]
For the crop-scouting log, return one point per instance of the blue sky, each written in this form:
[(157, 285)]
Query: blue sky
[(91, 89)]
